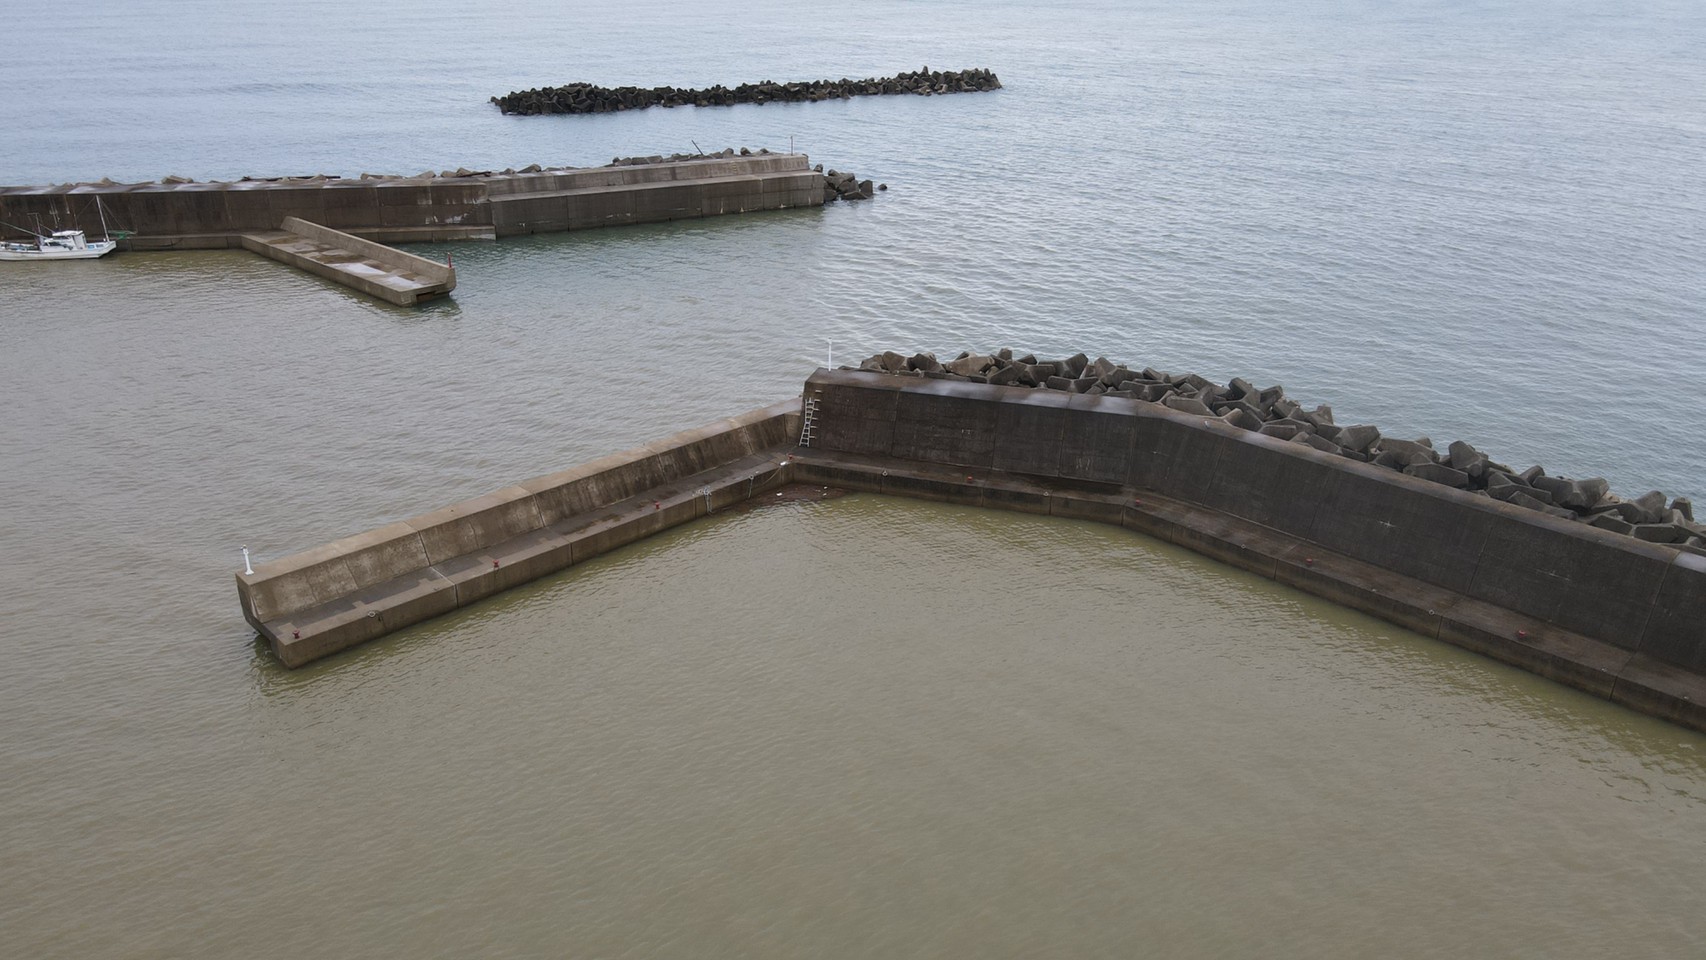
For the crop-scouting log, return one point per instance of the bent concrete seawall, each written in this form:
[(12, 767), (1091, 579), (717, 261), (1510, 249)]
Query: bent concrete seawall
[(1617, 617), (424, 209), (1612, 615), (318, 602)]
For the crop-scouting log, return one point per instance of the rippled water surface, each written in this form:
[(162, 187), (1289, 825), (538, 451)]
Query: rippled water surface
[(860, 727)]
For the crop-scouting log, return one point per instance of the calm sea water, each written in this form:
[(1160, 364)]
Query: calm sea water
[(860, 727)]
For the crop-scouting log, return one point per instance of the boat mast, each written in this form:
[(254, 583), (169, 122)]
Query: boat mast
[(103, 212)]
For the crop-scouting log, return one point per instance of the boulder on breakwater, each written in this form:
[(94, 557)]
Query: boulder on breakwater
[(1267, 410), (842, 185), (579, 98)]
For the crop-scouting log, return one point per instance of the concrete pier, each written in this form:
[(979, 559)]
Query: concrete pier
[(184, 216), (373, 268)]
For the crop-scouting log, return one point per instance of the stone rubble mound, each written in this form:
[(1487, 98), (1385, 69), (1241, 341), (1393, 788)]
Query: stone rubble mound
[(842, 185), (578, 98), (1268, 411)]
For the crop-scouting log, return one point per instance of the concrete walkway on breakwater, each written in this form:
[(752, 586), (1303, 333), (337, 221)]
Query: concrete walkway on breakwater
[(373, 268), (1617, 617)]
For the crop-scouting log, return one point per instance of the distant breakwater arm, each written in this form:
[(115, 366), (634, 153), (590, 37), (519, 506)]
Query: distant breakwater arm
[(577, 98)]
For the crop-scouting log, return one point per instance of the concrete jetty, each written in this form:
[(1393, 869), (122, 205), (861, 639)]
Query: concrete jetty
[(373, 268), (456, 205), (1610, 614)]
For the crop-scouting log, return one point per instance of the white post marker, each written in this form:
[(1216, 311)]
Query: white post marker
[(831, 364), (246, 568)]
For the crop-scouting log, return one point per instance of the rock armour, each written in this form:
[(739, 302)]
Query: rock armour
[(579, 98)]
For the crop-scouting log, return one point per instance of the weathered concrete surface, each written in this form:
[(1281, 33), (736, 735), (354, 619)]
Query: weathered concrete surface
[(1606, 613), (318, 602), (427, 208), (373, 268), (612, 196)]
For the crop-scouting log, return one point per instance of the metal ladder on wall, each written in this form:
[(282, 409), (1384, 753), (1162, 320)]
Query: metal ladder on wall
[(809, 425)]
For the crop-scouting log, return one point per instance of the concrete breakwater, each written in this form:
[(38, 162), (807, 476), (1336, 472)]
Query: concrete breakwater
[(1619, 617), (462, 204), (581, 98), (1607, 613), (1268, 411)]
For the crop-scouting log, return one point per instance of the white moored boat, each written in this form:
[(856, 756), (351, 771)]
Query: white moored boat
[(61, 244), (58, 245)]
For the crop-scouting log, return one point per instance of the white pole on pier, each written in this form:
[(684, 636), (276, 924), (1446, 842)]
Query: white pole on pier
[(246, 567), (829, 364)]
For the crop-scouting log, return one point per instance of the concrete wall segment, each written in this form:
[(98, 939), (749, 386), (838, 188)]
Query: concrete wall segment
[(854, 420), (476, 523), (1676, 629), (941, 427), (1174, 454), (1029, 431), (1097, 439), (1410, 526), (1578, 577)]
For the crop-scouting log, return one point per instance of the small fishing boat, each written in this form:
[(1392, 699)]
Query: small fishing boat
[(61, 244), (58, 245)]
